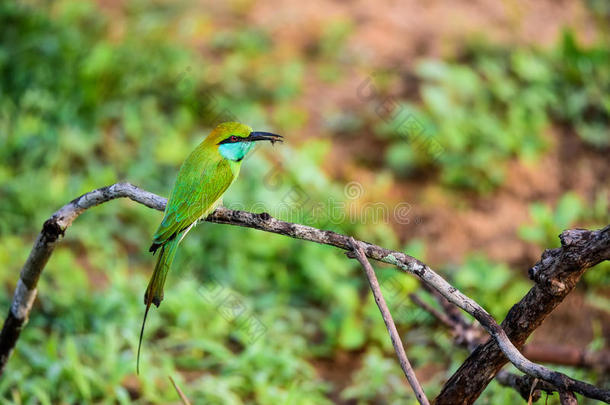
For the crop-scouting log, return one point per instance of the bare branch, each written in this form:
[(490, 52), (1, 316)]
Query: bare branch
[(183, 398), (597, 249), (468, 335), (389, 323), (439, 315), (465, 334), (471, 335), (528, 387), (25, 292), (556, 275)]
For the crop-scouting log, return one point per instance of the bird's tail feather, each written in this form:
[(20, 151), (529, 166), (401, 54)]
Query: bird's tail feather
[(154, 291)]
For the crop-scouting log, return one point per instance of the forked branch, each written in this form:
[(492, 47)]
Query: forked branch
[(389, 324), (596, 250)]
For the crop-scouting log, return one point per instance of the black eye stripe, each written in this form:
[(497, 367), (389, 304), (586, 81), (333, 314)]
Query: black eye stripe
[(231, 139)]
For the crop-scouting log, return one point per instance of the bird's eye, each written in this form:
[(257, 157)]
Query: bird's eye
[(233, 138)]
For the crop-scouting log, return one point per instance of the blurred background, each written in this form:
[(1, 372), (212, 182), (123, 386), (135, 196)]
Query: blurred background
[(468, 134)]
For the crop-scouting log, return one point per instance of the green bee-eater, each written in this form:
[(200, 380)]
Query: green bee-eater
[(202, 180)]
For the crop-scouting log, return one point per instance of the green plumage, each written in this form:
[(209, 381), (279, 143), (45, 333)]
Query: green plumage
[(202, 180)]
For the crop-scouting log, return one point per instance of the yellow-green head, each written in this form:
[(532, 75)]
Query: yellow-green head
[(235, 140)]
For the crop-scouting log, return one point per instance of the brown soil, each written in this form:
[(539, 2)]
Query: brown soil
[(338, 371), (390, 32), (489, 223), (572, 323)]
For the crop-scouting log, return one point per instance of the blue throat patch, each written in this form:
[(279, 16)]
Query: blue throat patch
[(235, 151)]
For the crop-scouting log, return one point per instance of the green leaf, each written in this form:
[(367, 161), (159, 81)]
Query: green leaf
[(568, 210)]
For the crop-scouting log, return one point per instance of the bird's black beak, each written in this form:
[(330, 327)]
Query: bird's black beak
[(264, 136)]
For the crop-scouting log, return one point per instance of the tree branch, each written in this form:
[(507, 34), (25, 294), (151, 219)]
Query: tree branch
[(588, 254), (556, 275), (25, 292), (469, 336), (183, 398), (528, 387), (389, 323)]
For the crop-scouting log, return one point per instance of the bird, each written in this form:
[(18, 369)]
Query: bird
[(203, 178)]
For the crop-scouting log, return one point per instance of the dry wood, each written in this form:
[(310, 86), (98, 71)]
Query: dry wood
[(390, 325), (555, 275)]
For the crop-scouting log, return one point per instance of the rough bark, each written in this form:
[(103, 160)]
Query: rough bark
[(581, 249), (556, 275), (52, 229), (470, 336)]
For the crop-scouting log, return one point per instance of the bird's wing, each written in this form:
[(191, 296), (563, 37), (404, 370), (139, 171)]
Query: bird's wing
[(200, 183)]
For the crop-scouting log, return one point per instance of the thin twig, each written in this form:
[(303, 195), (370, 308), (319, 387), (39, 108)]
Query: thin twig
[(555, 275), (389, 323), (532, 390), (529, 388), (440, 316), (467, 335), (183, 397), (464, 333), (471, 335), (594, 247), (453, 312)]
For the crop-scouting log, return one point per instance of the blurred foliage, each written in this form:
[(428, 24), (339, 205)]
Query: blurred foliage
[(84, 104), (81, 110), (501, 289), (495, 106), (570, 212), (583, 89)]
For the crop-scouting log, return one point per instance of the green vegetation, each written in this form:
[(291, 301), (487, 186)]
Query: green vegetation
[(84, 104), (569, 212), (497, 106)]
